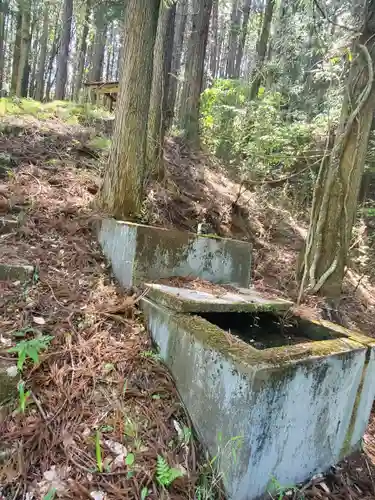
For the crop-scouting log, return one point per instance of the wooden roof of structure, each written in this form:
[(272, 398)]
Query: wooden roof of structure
[(103, 87)]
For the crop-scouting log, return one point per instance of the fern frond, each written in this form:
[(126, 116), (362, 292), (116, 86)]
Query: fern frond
[(165, 475)]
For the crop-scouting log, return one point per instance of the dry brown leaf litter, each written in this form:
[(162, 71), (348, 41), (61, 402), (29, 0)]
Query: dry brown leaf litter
[(96, 374)]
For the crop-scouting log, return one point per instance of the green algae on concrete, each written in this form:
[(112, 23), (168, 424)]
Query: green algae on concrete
[(244, 355), (190, 300), (291, 404), (320, 327)]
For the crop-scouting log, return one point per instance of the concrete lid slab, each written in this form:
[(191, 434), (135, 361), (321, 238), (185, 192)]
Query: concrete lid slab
[(15, 272), (191, 300)]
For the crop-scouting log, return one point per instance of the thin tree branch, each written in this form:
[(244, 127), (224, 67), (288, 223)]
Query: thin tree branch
[(331, 21)]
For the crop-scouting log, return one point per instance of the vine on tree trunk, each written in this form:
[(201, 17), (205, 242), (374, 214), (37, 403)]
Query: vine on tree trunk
[(316, 227)]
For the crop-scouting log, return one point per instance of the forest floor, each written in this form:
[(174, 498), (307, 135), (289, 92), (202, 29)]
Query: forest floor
[(99, 388)]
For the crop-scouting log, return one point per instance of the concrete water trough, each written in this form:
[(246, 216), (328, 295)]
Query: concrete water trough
[(273, 396), (140, 253)]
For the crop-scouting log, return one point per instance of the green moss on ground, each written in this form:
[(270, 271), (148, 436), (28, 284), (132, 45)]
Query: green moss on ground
[(67, 111)]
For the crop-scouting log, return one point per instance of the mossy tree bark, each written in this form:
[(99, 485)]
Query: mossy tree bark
[(262, 46), (121, 193), (336, 192), (157, 118), (193, 81), (63, 55)]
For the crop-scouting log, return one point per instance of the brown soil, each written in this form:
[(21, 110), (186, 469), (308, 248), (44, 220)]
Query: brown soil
[(98, 373)]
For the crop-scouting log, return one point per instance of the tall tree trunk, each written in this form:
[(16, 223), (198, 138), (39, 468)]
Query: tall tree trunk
[(8, 50), (336, 192), (215, 40), (23, 69), (99, 43), (243, 35), (120, 53), (35, 28), (109, 53), (16, 50), (113, 53), (159, 91), (123, 186), (63, 55), (235, 20), (3, 15), (25, 79), (97, 58), (262, 48), (52, 56), (189, 114), (221, 61), (39, 90), (82, 53), (181, 18)]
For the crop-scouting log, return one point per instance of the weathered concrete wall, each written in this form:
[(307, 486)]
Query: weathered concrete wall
[(15, 272), (9, 377), (142, 253), (294, 410)]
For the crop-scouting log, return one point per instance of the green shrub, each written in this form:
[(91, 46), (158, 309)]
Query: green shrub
[(253, 135)]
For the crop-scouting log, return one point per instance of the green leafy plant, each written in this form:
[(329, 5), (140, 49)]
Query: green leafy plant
[(50, 495), (130, 428), (280, 490), (98, 452), (254, 137), (35, 276), (186, 435), (109, 367), (129, 460), (106, 428), (151, 354), (30, 349), (23, 396), (165, 475), (210, 477), (144, 493)]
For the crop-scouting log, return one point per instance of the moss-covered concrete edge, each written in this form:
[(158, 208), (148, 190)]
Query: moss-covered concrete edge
[(337, 330), (245, 357)]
